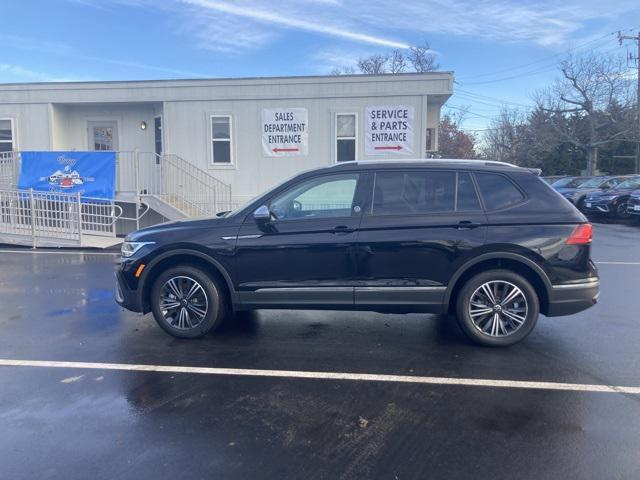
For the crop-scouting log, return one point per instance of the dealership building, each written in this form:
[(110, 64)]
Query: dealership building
[(177, 138)]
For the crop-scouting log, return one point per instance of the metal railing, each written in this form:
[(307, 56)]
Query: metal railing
[(191, 189), (9, 166), (56, 216), (169, 177)]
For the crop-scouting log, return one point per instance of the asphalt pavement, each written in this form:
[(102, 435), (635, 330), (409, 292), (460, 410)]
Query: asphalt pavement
[(300, 394)]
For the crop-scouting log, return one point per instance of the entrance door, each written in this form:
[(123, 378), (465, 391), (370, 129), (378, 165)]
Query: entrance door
[(157, 134), (103, 136)]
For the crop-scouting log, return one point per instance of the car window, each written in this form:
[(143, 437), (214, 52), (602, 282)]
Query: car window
[(594, 183), (629, 183), (320, 197), (413, 192), (467, 196), (498, 191), (563, 182)]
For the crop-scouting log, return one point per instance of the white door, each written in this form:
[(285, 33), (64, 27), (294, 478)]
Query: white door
[(103, 136)]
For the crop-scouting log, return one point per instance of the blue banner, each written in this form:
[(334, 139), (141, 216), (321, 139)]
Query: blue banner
[(92, 174)]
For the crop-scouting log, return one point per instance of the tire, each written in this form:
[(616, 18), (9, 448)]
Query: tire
[(507, 330), (580, 204), (207, 297), (621, 211)]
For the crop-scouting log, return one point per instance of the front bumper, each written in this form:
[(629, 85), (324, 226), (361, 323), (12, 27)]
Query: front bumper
[(570, 298), (633, 206), (125, 296), (591, 206)]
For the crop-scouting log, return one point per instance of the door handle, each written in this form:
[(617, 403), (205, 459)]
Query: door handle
[(467, 225), (341, 229)]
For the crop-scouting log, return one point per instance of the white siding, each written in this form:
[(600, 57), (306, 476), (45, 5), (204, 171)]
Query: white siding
[(55, 116)]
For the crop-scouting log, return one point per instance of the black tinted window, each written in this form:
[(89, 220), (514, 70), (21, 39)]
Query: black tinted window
[(403, 193), (467, 197), (497, 191)]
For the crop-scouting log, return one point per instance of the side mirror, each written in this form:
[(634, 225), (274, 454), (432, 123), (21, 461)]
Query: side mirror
[(262, 214)]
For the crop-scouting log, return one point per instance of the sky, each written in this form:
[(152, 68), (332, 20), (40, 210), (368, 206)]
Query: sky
[(500, 51)]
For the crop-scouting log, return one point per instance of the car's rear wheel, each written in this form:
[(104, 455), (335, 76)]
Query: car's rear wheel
[(497, 308), (187, 302)]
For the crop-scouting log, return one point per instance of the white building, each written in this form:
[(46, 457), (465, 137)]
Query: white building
[(249, 134)]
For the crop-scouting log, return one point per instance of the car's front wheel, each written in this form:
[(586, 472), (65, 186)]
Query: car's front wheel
[(187, 302), (497, 308), (622, 210)]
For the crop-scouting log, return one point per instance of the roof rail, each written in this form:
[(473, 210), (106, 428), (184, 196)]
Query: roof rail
[(459, 161)]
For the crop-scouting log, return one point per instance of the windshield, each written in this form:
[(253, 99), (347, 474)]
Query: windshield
[(631, 183), (242, 206), (576, 182), (562, 182), (593, 183)]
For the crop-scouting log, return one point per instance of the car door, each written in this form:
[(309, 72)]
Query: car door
[(304, 254), (420, 226)]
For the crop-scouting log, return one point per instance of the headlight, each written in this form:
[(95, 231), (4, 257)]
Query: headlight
[(129, 248), (608, 197)]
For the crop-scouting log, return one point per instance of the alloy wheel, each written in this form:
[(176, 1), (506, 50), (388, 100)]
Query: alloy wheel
[(498, 308), (183, 302)]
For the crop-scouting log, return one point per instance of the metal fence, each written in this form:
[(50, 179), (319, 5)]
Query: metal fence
[(191, 189), (45, 215), (9, 166)]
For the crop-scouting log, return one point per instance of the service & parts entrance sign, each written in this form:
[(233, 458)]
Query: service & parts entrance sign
[(285, 132), (389, 129)]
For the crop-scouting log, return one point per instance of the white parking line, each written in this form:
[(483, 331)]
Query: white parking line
[(50, 252), (366, 377), (618, 263)]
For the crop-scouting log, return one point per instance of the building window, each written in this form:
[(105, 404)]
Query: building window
[(221, 140), (7, 140), (346, 136), (430, 140)]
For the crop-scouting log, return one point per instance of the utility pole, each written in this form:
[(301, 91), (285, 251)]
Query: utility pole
[(621, 39)]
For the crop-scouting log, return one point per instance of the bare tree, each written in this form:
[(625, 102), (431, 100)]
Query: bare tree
[(419, 59), (422, 58), (397, 62), (502, 138), (585, 104), (373, 65)]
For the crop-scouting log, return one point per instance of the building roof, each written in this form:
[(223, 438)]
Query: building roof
[(437, 85)]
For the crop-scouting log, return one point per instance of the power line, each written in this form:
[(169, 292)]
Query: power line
[(547, 58)]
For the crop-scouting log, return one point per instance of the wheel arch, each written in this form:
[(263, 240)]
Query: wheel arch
[(183, 256), (505, 261)]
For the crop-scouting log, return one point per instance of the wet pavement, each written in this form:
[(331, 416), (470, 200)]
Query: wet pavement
[(93, 423)]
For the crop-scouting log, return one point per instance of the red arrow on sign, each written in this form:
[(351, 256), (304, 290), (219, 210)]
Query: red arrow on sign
[(286, 149), (397, 147)]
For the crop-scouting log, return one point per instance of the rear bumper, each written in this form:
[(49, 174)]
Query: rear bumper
[(570, 298)]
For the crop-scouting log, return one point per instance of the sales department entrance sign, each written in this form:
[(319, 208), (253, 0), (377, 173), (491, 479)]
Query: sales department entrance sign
[(285, 132), (389, 129)]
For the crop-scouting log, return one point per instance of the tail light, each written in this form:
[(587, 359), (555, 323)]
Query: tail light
[(582, 235)]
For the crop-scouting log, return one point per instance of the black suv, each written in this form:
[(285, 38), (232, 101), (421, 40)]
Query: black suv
[(489, 242)]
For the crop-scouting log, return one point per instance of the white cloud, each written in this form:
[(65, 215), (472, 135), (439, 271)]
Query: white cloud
[(287, 19), (16, 73), (543, 22)]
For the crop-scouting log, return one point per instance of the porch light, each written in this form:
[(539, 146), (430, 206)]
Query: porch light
[(143, 125)]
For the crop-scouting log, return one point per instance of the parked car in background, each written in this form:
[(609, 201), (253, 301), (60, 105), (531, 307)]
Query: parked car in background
[(612, 202), (554, 178), (633, 204), (569, 183), (486, 241), (596, 184)]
